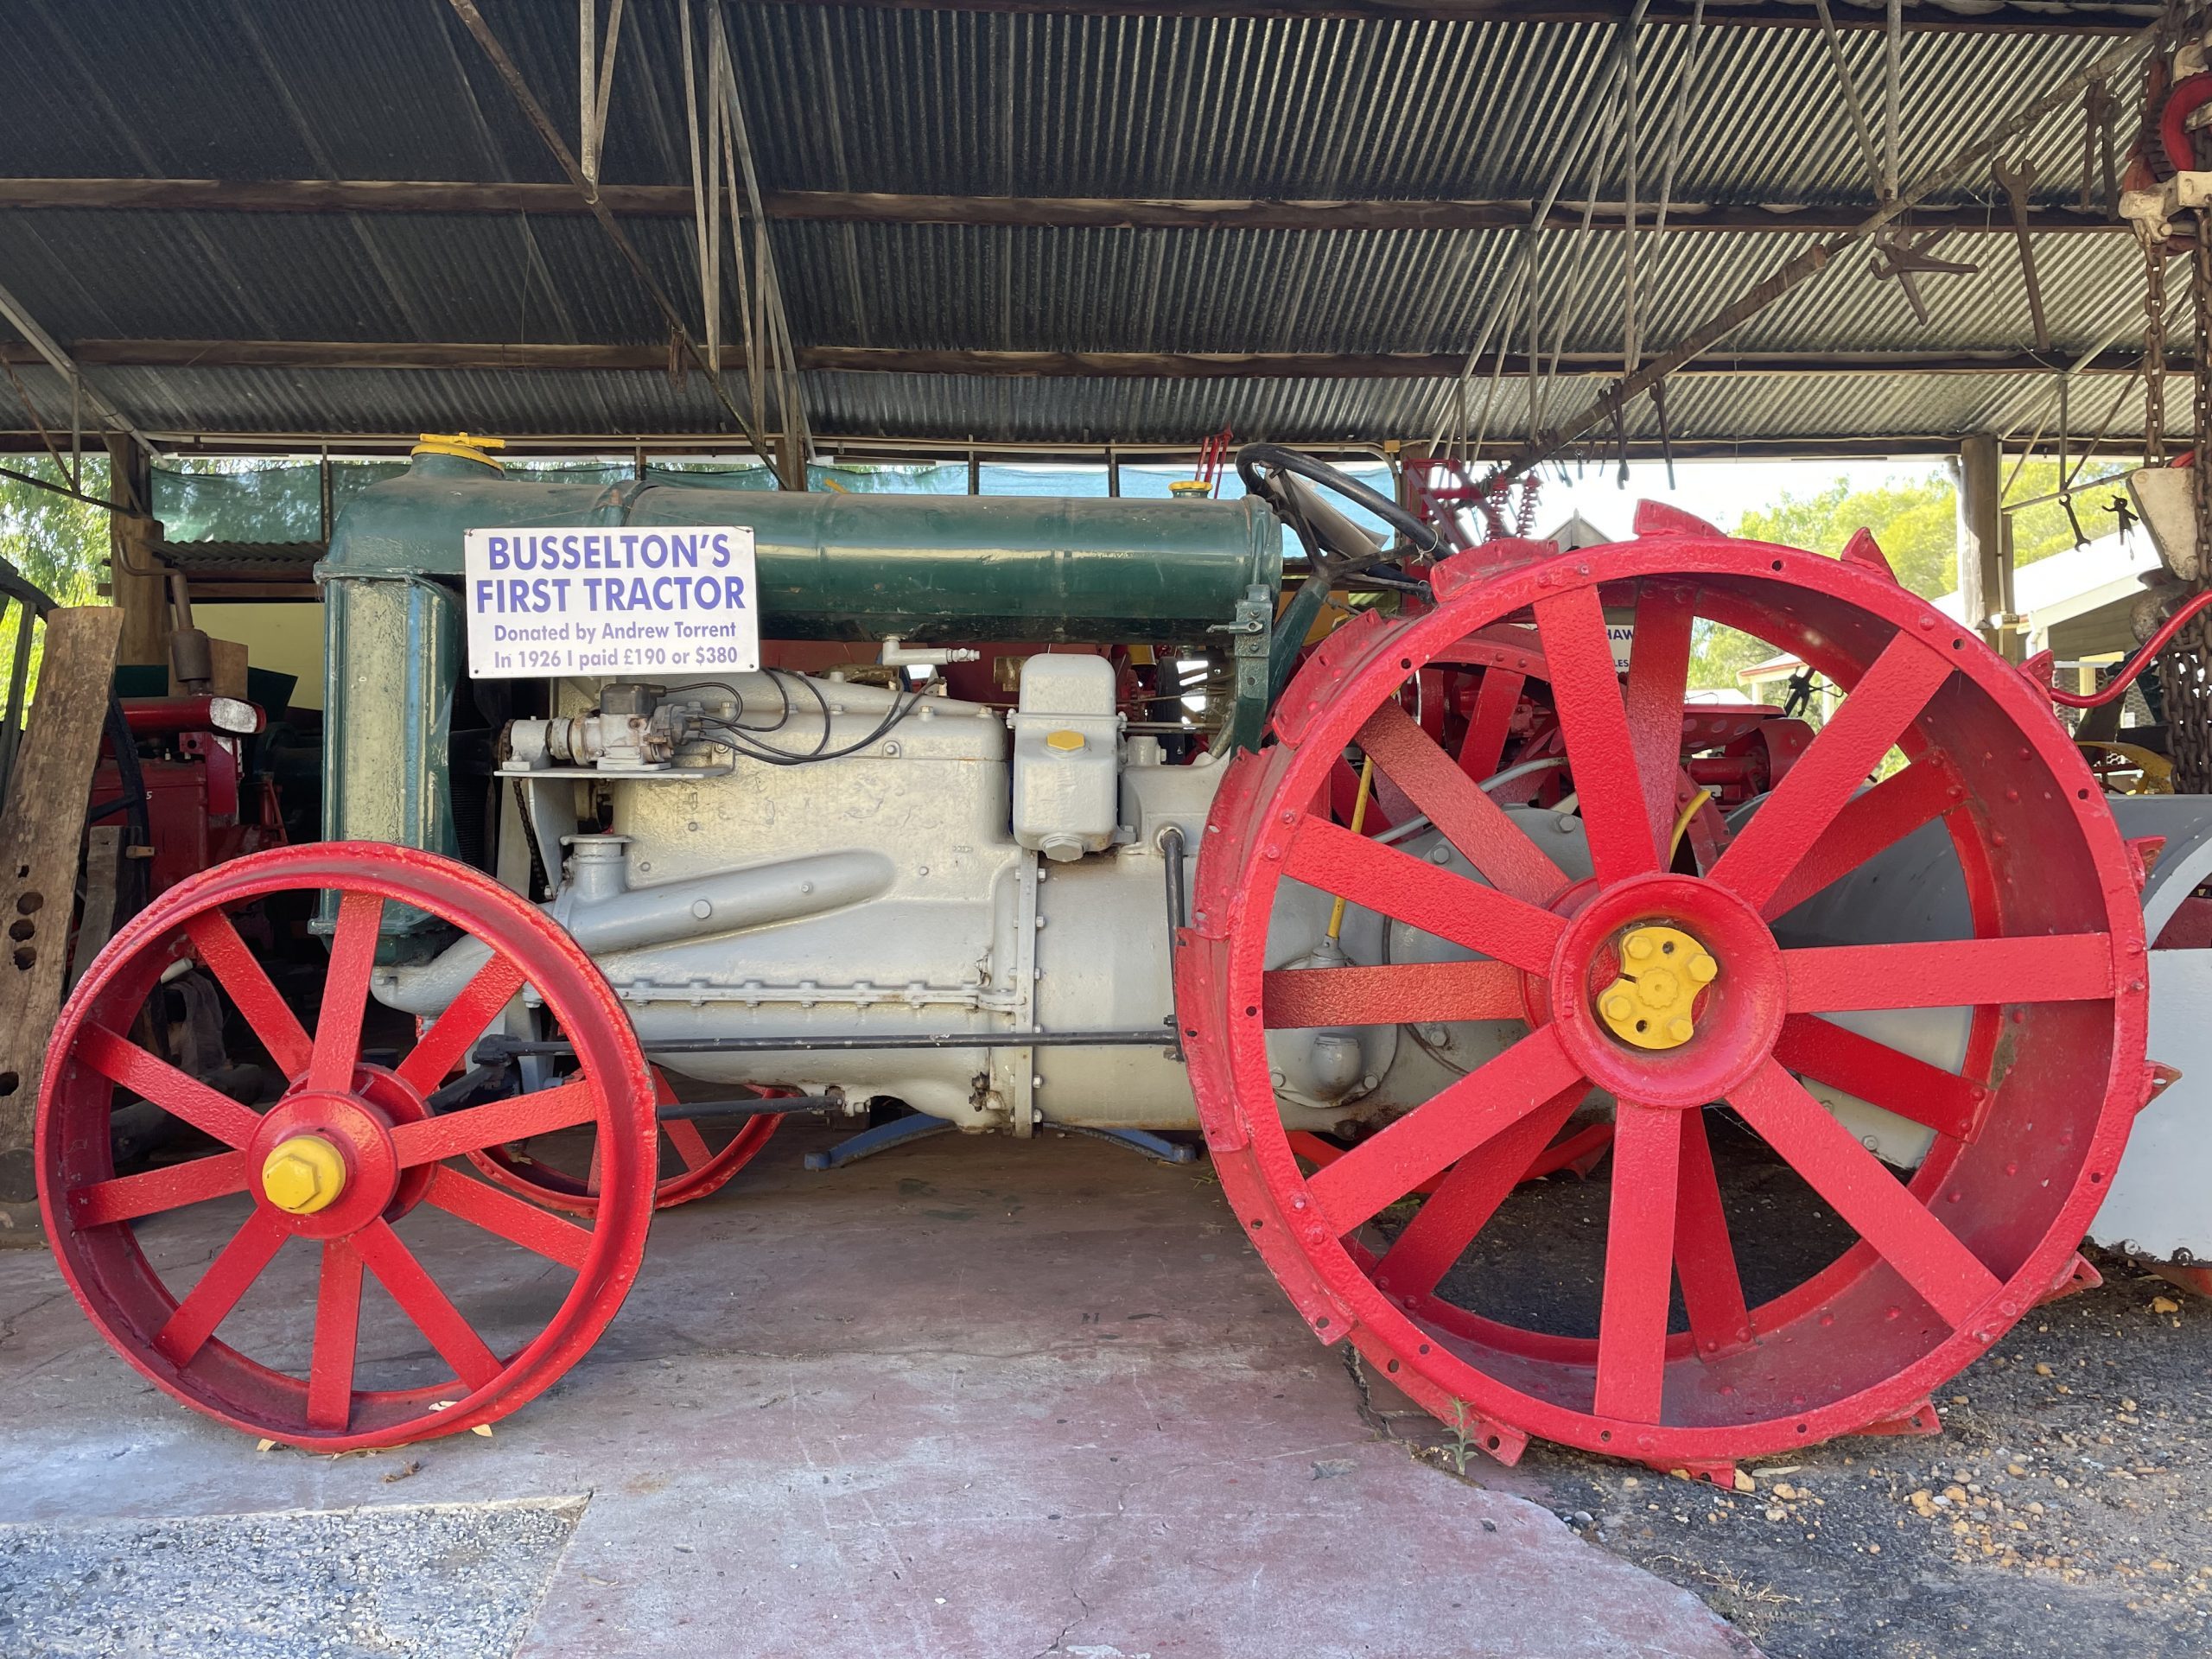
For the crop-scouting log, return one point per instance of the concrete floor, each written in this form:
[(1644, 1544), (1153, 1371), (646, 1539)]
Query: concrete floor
[(969, 1398)]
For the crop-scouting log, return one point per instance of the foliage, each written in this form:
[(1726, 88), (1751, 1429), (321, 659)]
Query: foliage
[(58, 544), (1915, 520)]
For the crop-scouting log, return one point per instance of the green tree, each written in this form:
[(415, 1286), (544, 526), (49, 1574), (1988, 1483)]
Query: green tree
[(1916, 520), (58, 544)]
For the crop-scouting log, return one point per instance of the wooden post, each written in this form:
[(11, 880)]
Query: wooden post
[(1984, 583), (135, 581), (2011, 642), (790, 461), (41, 835)]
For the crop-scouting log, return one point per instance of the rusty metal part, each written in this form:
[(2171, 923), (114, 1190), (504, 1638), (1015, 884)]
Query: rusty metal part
[(394, 1150), (2016, 179), (2025, 1133), (1898, 253)]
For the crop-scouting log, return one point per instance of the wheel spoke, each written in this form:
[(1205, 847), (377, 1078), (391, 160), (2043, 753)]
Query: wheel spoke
[(1414, 891), (1658, 678), (690, 1145), (228, 1277), (152, 1190), (516, 1118), (337, 1331), (1595, 724), (1392, 994), (1796, 817), (1639, 1262), (225, 955), (479, 1002), (1491, 722), (1949, 973), (120, 1061), (1881, 1076), (345, 993), (1471, 821), (420, 1299), (510, 1217), (1948, 1276), (1885, 814), (1704, 1255), (1489, 1100), (1466, 1199)]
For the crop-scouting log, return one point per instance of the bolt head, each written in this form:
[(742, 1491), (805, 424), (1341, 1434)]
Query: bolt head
[(1703, 969), (303, 1175), (1679, 1029)]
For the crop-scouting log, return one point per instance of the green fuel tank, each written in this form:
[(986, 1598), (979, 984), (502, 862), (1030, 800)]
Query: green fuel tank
[(836, 567)]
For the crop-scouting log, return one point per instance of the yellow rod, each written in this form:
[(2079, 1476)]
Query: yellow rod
[(1358, 817), (1697, 799)]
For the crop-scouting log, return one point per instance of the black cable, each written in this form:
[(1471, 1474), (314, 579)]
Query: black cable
[(738, 697), (898, 711)]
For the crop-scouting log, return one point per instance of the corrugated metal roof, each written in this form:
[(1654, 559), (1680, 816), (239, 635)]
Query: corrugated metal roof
[(977, 103)]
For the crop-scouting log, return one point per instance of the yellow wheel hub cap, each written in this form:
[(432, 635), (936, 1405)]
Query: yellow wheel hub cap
[(1663, 970), (304, 1174)]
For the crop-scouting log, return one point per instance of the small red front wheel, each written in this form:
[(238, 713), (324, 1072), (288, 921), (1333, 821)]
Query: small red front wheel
[(350, 1168)]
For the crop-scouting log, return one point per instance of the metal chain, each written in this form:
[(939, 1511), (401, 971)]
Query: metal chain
[(2187, 669), (2154, 352)]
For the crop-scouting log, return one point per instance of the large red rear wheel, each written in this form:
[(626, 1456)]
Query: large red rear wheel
[(352, 1169), (1663, 986)]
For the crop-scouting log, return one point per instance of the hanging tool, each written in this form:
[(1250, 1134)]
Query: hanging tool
[(2096, 141), (2014, 179), (1666, 439), (1898, 254)]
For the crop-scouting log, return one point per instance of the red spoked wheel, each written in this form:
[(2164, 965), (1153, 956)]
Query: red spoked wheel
[(691, 1165), (1676, 1364), (351, 1167)]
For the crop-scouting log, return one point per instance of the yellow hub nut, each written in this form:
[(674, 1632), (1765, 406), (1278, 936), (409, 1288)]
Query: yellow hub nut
[(304, 1174), (1663, 970)]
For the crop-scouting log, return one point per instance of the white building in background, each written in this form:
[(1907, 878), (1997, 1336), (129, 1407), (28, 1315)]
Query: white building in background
[(2077, 603)]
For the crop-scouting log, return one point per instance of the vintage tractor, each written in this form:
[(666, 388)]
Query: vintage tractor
[(1328, 918)]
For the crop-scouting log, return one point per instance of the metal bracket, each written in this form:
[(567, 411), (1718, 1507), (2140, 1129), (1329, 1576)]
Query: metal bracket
[(1254, 630)]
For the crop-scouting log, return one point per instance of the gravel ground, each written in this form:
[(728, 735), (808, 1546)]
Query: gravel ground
[(2066, 1510), (428, 1581)]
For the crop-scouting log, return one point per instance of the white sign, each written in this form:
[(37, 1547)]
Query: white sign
[(622, 602), (1621, 636)]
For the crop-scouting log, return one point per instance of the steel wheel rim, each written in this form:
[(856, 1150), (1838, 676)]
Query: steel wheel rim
[(1439, 1353), (89, 1211), (704, 1170)]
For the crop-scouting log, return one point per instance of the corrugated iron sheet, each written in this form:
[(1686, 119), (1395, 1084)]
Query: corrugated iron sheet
[(976, 102)]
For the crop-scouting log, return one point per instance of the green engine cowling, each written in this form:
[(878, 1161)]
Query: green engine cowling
[(838, 567)]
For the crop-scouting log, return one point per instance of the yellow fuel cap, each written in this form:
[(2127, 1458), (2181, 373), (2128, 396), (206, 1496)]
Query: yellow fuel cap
[(1066, 742)]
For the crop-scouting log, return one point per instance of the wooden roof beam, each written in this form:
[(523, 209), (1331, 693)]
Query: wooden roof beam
[(1995, 16), (868, 208), (432, 355)]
